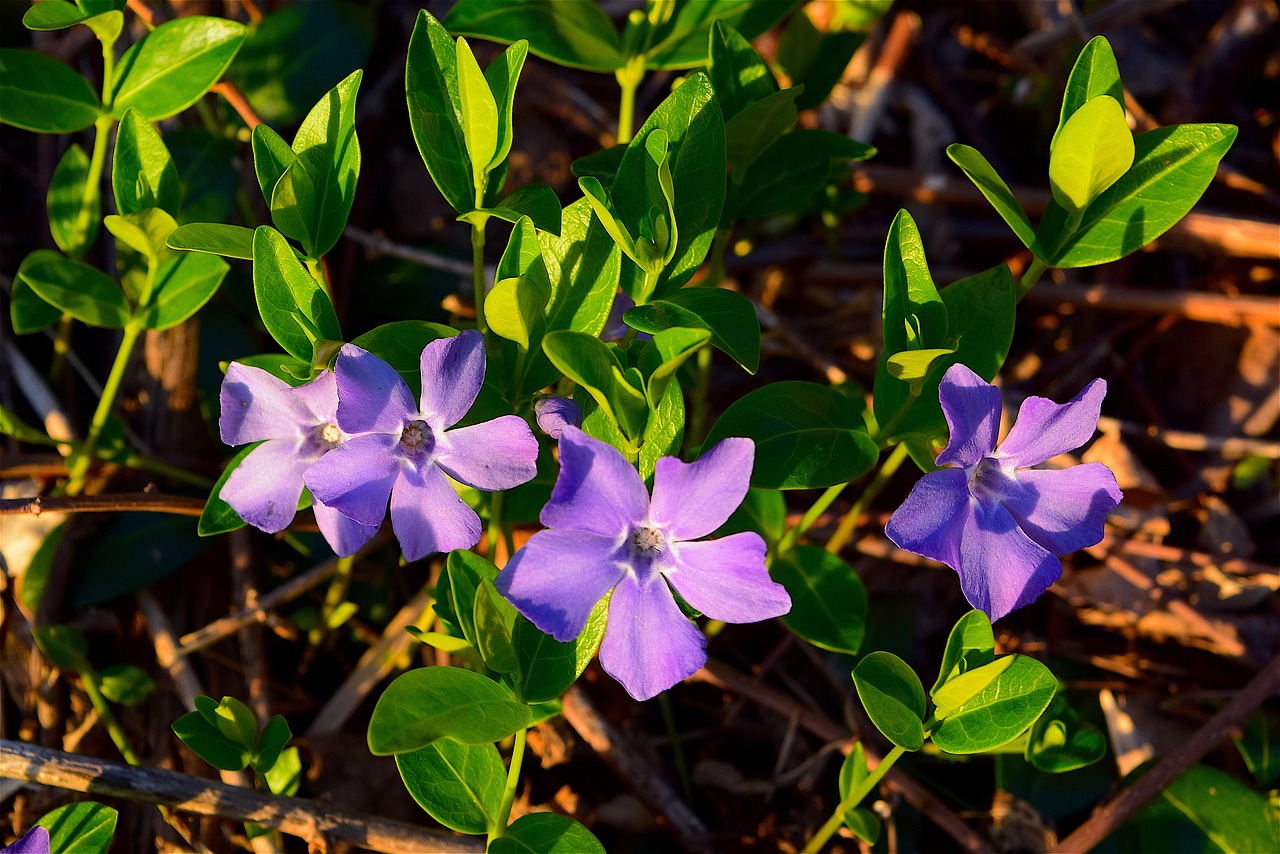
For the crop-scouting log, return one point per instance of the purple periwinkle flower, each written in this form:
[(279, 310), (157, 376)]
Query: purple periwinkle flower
[(553, 413), (34, 841), (296, 427), (991, 517), (606, 534), (404, 448)]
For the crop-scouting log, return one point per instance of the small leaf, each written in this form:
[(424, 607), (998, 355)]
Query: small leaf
[(536, 201), (126, 684), (209, 743), (663, 432), (758, 126), (738, 73), (593, 365), (479, 115), (217, 516), (48, 15), (328, 150), (1093, 150), (271, 741), (681, 41), (1060, 741), (295, 309), (235, 721), (548, 667), (435, 112), (143, 174), (997, 192), (231, 241), (28, 312), (459, 785), (970, 645), (82, 291), (546, 833), (83, 828), (41, 94), (438, 702), (64, 646), (169, 68), (272, 157), (731, 318), (1095, 73), (960, 689), (73, 228), (1203, 810), (285, 776), (828, 601), (663, 355), (501, 77), (576, 33), (893, 698), (999, 712), (494, 619)]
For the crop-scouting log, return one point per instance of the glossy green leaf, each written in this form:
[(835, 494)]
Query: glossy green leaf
[(145, 232), (72, 227), (814, 59), (1094, 148), (910, 297), (459, 785), (231, 241), (738, 73), (494, 619), (601, 165), (997, 713), (536, 201), (1094, 73), (232, 718), (681, 42), (82, 291), (663, 355), (33, 582), (1171, 169), (912, 366), (47, 15), (864, 823), (272, 157), (28, 312), (957, 691), (546, 833), (442, 702), (142, 173), (1259, 746), (285, 776), (758, 126), (663, 432), (513, 310), (435, 112), (464, 574), (582, 267), (893, 698), (210, 743), (997, 192), (791, 169), (501, 77), (328, 150), (183, 285), (170, 67), (81, 828), (294, 203), (64, 646), (576, 33), (611, 220), (294, 308), (828, 601), (270, 744), (970, 645), (41, 94), (98, 7), (593, 365), (126, 684), (548, 667), (106, 26), (1060, 741), (807, 435)]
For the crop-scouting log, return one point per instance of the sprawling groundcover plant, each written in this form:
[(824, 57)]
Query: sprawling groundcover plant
[(599, 327)]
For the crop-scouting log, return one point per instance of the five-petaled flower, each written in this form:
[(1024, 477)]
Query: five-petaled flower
[(296, 427), (606, 534), (992, 518), (404, 449)]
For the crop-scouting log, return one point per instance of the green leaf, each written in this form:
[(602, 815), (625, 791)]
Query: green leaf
[(547, 666), (64, 646), (442, 702), (210, 743), (272, 157), (663, 432), (183, 285), (536, 201), (814, 59), (217, 516), (997, 713), (142, 173), (864, 823), (328, 152), (1258, 747), (593, 365), (126, 684), (758, 126), (1060, 741), (145, 232), (1171, 169), (663, 355), (233, 719), (66, 200), (763, 511), (681, 42), (459, 785), (231, 241), (169, 68), (501, 77), (601, 165), (997, 192), (48, 15), (28, 311), (828, 601), (41, 94), (970, 645), (576, 33), (294, 308), (294, 204), (546, 833), (910, 297), (1094, 148), (270, 742), (82, 291), (792, 169), (807, 435), (33, 582), (513, 310), (960, 689), (107, 26), (435, 112), (14, 427), (912, 366), (285, 775), (582, 267), (1095, 73), (83, 828), (494, 619), (893, 698), (738, 73)]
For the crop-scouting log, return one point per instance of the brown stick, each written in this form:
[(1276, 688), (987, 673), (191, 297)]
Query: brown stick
[(178, 505), (319, 824), (238, 102), (1109, 817), (686, 828)]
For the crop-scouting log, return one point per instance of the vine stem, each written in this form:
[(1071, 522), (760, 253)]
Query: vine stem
[(844, 531), (513, 780), (855, 797), (80, 465), (629, 77), (90, 683), (477, 275), (791, 537)]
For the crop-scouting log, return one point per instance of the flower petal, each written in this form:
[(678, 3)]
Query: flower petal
[(726, 579), (972, 409), (553, 413), (345, 536), (558, 577), (1045, 429), (319, 397), (452, 373), (1000, 567), (428, 516), (649, 645), (932, 519), (497, 454), (597, 490), (355, 478), (265, 487), (372, 397), (257, 406), (691, 500), (34, 841), (1063, 510)]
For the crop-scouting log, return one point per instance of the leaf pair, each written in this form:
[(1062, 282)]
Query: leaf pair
[(225, 734)]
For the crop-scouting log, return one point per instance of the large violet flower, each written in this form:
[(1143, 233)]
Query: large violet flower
[(606, 534), (989, 515), (404, 448), (296, 427), (34, 841)]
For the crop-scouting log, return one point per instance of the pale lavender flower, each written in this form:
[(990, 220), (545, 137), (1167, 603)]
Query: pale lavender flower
[(606, 534), (404, 449), (989, 515), (34, 841), (553, 413), (296, 427)]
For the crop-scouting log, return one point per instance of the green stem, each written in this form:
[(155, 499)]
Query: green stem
[(509, 792), (337, 591), (90, 683), (181, 475), (629, 78), (677, 748), (79, 466), (844, 531), (477, 275), (701, 397), (1031, 276), (855, 797), (495, 525), (791, 537)]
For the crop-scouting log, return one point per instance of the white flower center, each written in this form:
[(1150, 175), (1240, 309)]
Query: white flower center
[(648, 542), (331, 433), (416, 438)]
